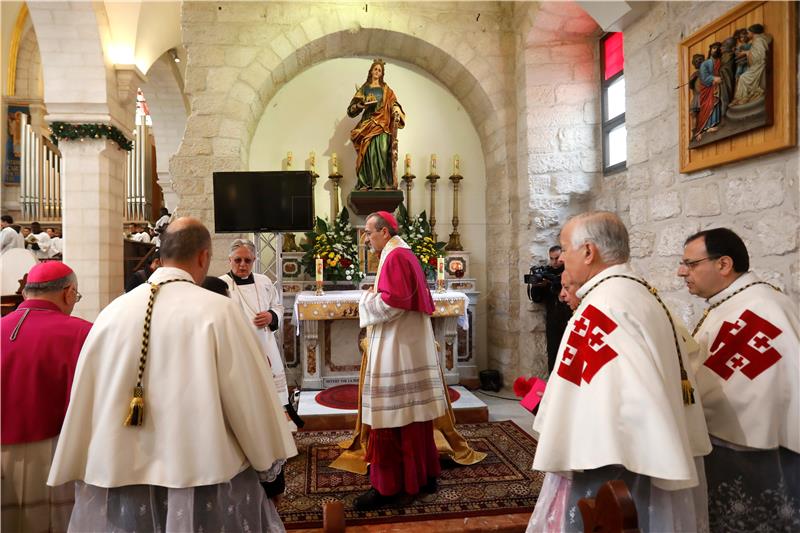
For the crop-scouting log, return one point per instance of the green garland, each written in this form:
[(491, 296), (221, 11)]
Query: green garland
[(72, 132)]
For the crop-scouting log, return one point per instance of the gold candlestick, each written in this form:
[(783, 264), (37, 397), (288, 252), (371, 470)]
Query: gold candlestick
[(335, 178), (454, 242), (408, 178), (432, 178)]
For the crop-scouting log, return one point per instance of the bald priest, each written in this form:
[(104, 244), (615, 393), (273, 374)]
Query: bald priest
[(162, 432)]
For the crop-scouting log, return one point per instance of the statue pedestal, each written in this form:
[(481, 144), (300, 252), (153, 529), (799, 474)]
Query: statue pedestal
[(366, 202)]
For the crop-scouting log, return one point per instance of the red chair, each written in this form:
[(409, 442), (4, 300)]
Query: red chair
[(612, 510)]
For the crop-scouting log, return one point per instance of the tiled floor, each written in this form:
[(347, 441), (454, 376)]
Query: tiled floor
[(502, 406)]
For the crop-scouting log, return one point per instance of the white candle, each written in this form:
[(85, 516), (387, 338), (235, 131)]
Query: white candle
[(456, 164), (433, 163), (312, 159), (319, 269), (334, 163), (288, 160), (408, 163), (440, 268)]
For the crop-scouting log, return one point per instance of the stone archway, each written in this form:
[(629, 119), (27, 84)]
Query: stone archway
[(229, 89), (168, 112)]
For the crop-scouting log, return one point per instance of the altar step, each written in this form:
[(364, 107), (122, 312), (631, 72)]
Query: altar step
[(468, 409)]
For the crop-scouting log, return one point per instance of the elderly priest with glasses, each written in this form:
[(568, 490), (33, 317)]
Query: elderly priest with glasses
[(161, 431), (261, 304)]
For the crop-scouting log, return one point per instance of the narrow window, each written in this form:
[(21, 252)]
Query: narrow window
[(612, 57)]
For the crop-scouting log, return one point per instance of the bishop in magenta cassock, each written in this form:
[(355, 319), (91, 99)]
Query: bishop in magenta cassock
[(40, 348), (403, 404), (402, 390), (748, 376)]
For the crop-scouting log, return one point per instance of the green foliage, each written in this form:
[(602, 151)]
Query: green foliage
[(416, 231), (73, 132), (337, 245)]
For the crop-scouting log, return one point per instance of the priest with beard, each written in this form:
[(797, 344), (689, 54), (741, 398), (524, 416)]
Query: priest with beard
[(621, 403), (261, 304)]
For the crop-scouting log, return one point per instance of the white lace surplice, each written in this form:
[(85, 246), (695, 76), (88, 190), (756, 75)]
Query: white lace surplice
[(240, 505)]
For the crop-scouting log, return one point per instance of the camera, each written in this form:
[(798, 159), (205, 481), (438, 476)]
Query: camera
[(540, 274)]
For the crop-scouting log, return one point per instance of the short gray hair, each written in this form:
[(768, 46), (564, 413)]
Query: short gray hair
[(381, 223), (32, 290), (242, 243), (606, 231)]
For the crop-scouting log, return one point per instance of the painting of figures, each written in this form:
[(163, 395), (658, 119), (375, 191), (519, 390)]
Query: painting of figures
[(738, 78)]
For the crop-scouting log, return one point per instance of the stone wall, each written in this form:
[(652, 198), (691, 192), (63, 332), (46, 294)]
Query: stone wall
[(557, 98), (757, 198)]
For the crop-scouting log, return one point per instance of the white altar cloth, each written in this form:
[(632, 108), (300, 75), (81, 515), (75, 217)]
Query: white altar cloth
[(337, 305)]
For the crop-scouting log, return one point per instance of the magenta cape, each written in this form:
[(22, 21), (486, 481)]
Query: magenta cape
[(37, 370), (402, 283)]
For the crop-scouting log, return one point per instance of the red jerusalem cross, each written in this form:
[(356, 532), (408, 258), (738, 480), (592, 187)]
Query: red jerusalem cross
[(586, 351), (744, 345)]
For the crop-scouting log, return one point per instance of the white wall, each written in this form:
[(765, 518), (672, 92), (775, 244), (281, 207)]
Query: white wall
[(309, 114)]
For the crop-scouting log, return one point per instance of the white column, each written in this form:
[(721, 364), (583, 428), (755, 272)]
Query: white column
[(93, 195)]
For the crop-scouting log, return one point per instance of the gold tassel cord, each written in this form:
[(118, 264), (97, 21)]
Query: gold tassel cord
[(136, 408), (136, 413), (708, 310), (687, 392)]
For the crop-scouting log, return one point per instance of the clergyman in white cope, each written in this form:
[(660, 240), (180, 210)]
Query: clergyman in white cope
[(260, 302), (161, 429), (748, 376), (619, 404)]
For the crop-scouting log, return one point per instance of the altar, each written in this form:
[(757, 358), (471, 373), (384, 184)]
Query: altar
[(329, 335)]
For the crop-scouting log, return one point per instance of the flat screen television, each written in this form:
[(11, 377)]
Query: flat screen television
[(263, 201)]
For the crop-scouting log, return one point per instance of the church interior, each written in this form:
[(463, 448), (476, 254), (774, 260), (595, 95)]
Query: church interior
[(517, 115)]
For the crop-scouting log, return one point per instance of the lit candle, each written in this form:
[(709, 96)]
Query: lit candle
[(440, 268), (408, 164), (334, 163), (312, 159), (288, 160), (456, 164), (319, 268), (433, 163)]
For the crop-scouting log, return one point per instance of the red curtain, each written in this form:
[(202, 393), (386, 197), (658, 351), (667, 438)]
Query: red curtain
[(613, 54)]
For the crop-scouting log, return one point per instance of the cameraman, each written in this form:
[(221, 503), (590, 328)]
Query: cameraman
[(545, 288)]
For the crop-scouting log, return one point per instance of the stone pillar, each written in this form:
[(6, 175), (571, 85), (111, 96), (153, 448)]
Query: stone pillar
[(93, 196)]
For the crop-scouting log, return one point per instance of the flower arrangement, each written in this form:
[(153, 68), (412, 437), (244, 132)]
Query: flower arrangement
[(337, 246), (417, 234)]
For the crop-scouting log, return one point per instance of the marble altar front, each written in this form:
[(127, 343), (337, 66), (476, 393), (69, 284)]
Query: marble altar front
[(329, 334)]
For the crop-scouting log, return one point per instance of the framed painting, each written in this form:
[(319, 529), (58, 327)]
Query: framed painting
[(738, 86), (13, 148)]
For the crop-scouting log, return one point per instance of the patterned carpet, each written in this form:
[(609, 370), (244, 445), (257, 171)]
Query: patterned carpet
[(500, 484)]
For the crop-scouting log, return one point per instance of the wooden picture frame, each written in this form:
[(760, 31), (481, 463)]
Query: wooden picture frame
[(780, 130)]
